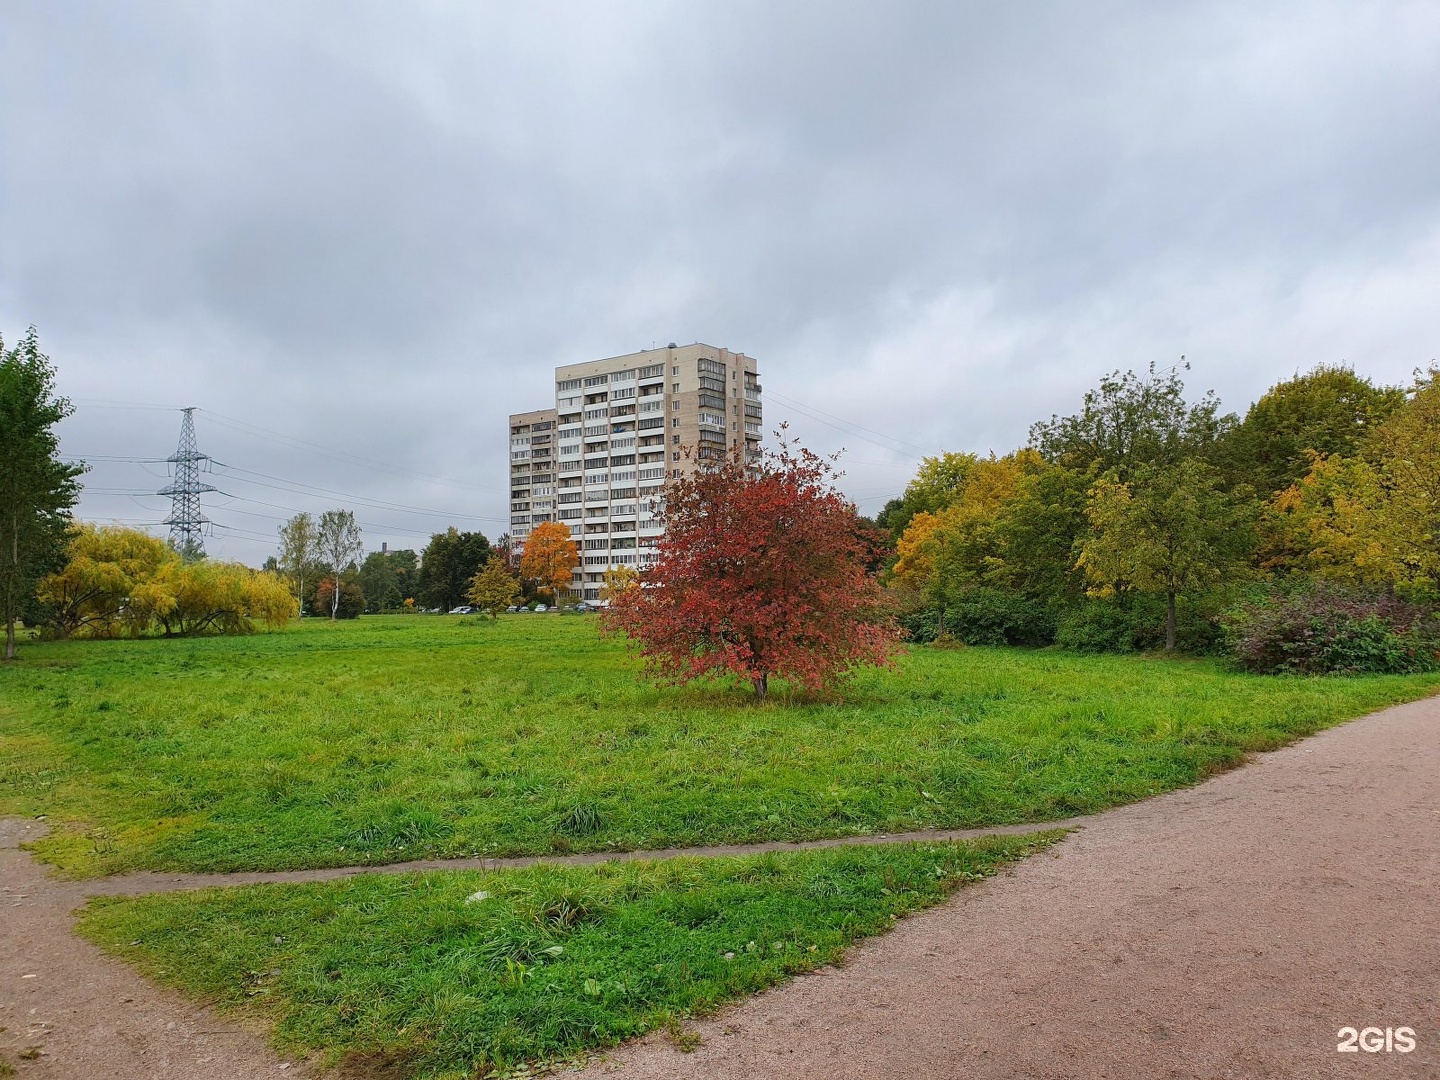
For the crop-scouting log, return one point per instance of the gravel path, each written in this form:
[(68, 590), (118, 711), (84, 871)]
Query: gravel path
[(1229, 930), (1224, 931)]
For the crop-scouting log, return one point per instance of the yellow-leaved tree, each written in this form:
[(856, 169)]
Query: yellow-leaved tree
[(944, 553), (190, 598), (117, 579), (618, 581), (493, 588), (1375, 517), (104, 565)]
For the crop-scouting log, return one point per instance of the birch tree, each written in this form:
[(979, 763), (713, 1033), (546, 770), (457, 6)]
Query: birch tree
[(339, 544)]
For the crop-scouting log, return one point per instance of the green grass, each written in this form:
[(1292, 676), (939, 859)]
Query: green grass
[(392, 739), (400, 974)]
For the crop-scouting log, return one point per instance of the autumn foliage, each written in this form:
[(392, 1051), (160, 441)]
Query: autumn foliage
[(120, 581), (549, 557), (761, 572)]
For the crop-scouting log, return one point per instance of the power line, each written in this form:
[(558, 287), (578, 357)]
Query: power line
[(300, 488), (255, 430), (847, 427)]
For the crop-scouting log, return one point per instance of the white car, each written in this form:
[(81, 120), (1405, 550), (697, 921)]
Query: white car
[(463, 609)]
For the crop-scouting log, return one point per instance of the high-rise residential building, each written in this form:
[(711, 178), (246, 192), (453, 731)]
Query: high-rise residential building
[(532, 470), (600, 459)]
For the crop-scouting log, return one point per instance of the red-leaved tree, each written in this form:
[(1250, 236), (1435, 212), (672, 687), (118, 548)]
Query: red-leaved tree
[(761, 572)]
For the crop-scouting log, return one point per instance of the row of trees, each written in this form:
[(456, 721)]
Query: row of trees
[(315, 553), (1142, 493)]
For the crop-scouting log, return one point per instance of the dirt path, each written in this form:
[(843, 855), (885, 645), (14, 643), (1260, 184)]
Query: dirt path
[(1225, 931), (152, 882), (91, 1016)]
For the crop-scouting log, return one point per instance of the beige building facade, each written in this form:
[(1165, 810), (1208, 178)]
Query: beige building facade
[(621, 429)]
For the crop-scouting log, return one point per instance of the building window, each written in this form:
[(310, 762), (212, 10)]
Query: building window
[(673, 423), (675, 439), (675, 455), (675, 370), (675, 406)]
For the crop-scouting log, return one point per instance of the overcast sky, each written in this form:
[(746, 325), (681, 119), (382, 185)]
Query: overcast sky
[(356, 236)]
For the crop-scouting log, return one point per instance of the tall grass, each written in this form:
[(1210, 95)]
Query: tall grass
[(397, 738)]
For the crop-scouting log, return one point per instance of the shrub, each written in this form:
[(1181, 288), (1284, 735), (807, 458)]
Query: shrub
[(1135, 622), (1326, 631), (352, 599), (988, 617)]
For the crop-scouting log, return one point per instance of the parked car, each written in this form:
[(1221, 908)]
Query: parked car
[(541, 607), (463, 609)]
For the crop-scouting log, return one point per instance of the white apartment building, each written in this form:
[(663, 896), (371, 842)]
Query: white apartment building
[(600, 459)]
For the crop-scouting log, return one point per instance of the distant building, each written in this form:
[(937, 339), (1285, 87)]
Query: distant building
[(601, 457)]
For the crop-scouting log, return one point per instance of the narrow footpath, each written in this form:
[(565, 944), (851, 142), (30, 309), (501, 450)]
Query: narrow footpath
[(1229, 930)]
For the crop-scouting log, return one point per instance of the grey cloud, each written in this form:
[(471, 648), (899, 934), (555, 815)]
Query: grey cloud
[(376, 229)]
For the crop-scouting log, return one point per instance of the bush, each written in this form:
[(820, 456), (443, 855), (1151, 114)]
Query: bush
[(1326, 631), (1135, 622), (987, 617), (352, 599)]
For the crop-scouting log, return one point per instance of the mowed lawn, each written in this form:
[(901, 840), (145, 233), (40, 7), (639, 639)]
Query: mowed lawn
[(390, 739)]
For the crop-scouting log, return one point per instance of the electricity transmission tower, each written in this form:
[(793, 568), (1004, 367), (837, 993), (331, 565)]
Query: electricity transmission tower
[(186, 522)]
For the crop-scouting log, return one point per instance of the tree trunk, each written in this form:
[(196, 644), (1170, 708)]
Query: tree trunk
[(10, 601), (335, 603), (762, 685), (1170, 621)]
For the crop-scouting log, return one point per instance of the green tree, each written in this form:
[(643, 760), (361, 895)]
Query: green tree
[(299, 557), (1330, 410), (448, 563), (1170, 529), (1131, 421), (936, 483), (493, 588), (388, 579), (1036, 534), (37, 489), (338, 543)]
